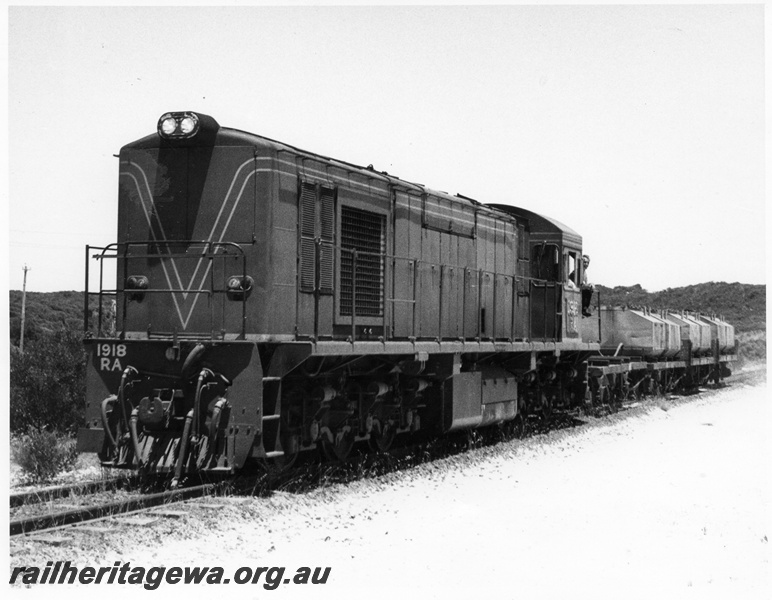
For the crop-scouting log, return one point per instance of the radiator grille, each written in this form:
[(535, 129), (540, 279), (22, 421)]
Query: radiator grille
[(363, 231)]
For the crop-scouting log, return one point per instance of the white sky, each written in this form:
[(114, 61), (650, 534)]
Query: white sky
[(641, 127)]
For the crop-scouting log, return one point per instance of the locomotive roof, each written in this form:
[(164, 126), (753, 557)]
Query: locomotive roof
[(546, 227), (226, 136)]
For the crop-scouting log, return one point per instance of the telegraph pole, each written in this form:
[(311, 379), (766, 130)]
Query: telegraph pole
[(23, 309)]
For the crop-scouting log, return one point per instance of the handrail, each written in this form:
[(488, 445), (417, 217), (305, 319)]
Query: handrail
[(210, 251), (127, 251), (415, 264), (102, 292)]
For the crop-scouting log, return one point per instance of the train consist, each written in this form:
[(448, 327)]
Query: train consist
[(271, 301)]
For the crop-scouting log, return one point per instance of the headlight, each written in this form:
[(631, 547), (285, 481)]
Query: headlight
[(137, 283), (187, 125), (238, 287), (168, 125), (178, 125)]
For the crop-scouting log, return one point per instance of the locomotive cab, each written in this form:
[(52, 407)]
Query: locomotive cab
[(556, 271)]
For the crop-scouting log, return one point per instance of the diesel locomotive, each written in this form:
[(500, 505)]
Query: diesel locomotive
[(270, 301)]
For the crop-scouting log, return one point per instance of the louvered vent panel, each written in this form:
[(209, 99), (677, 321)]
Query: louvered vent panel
[(326, 268), (307, 232), (326, 250), (307, 210), (363, 231), (327, 216), (307, 264)]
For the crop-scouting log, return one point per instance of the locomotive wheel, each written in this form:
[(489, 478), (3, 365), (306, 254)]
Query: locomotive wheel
[(382, 436), (291, 448), (340, 447), (518, 427), (545, 410)]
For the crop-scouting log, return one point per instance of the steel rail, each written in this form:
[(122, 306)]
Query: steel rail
[(63, 491), (90, 513)]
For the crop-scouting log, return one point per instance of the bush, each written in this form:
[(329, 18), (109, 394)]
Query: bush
[(42, 455), (48, 383), (753, 346)]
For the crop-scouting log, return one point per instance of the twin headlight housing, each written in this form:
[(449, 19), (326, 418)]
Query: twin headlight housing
[(178, 125)]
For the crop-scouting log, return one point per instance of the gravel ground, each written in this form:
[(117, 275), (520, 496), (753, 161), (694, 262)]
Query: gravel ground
[(667, 500)]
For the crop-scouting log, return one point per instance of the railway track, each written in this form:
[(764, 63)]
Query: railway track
[(53, 518), (49, 494)]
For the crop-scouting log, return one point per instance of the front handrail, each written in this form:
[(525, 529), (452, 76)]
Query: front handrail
[(128, 251)]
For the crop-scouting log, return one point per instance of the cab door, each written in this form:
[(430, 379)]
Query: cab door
[(546, 287)]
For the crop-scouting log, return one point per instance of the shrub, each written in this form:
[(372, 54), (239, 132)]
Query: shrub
[(48, 383), (42, 455), (753, 346)]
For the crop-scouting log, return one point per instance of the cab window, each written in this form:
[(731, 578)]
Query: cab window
[(572, 268), (545, 261)]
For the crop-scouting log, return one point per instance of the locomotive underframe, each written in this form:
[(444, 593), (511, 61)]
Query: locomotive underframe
[(172, 406)]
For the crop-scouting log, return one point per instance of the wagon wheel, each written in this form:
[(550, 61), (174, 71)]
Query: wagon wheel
[(619, 391), (624, 389), (587, 397), (382, 436), (614, 400), (635, 392), (604, 396), (341, 446)]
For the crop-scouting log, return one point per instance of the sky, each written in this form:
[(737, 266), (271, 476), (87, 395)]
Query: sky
[(640, 127)]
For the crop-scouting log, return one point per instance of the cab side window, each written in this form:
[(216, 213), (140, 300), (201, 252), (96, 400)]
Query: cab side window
[(545, 261), (571, 269)]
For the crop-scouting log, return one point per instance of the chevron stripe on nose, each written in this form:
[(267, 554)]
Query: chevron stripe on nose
[(141, 184)]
